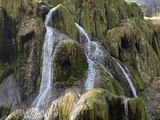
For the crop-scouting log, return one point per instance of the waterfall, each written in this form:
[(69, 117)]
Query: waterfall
[(128, 79), (132, 88), (95, 57), (40, 104), (89, 85), (125, 101)]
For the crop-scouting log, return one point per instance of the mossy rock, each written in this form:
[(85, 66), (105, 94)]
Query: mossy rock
[(70, 61), (139, 82), (136, 10), (136, 109), (99, 104), (113, 40), (92, 105), (113, 86), (62, 106), (130, 43), (109, 86), (112, 17), (118, 88), (64, 21)]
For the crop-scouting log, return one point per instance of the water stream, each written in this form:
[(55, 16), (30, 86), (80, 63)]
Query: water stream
[(125, 101), (128, 79), (46, 91), (132, 88), (95, 58)]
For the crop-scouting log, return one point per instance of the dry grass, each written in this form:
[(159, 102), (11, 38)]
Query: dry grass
[(154, 19)]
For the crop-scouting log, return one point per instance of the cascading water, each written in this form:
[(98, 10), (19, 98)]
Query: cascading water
[(128, 79), (132, 88), (89, 85), (95, 58), (47, 69), (40, 104), (125, 101)]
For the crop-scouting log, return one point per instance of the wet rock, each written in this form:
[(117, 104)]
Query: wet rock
[(62, 107), (69, 56)]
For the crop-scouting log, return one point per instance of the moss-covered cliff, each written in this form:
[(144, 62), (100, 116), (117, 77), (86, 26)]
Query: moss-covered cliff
[(116, 25)]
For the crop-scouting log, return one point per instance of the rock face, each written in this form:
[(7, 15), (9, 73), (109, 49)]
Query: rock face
[(122, 34), (10, 95), (97, 104), (68, 57)]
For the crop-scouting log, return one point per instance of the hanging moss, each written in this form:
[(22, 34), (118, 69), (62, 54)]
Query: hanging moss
[(136, 10), (118, 88), (71, 62), (64, 21), (63, 113), (113, 40), (112, 17), (139, 82), (136, 109), (109, 86), (97, 107)]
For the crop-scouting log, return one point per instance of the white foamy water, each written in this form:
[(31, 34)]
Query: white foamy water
[(128, 79), (125, 101), (95, 57), (40, 104), (84, 39)]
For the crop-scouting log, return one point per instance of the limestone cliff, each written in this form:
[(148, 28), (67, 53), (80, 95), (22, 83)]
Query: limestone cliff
[(123, 35)]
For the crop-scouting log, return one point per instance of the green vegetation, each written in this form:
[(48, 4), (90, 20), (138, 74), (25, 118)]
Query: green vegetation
[(137, 109), (64, 114), (118, 88), (71, 62), (64, 21), (112, 17), (4, 111), (139, 82)]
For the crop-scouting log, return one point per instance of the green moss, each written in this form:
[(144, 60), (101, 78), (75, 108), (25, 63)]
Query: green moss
[(71, 81), (4, 111), (137, 109), (97, 106), (64, 21), (118, 88), (109, 86), (5, 73), (64, 114), (136, 10), (113, 40), (103, 105), (71, 62), (139, 82), (112, 17)]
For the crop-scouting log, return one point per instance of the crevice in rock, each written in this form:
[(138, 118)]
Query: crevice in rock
[(124, 42), (26, 38)]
